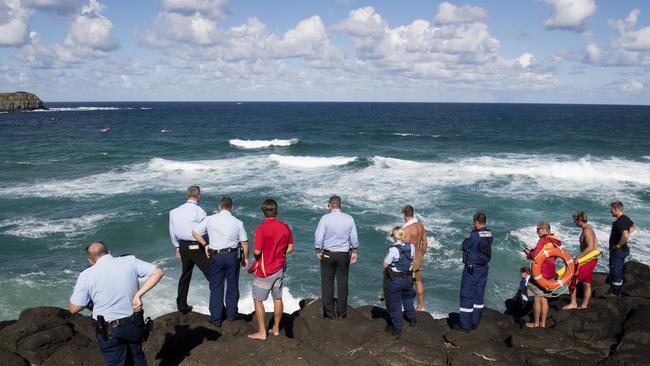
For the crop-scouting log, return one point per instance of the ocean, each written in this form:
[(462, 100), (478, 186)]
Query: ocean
[(64, 183)]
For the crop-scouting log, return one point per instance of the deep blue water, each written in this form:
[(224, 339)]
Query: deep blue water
[(63, 183)]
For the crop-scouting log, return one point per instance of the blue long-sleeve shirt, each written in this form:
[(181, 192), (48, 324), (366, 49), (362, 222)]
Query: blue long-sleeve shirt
[(336, 232)]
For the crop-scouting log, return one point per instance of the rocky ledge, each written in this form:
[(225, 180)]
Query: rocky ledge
[(613, 331), (20, 101)]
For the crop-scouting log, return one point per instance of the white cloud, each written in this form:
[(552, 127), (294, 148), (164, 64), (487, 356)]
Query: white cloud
[(308, 39), (526, 59), (632, 39), (570, 14), (632, 86), (14, 23), (91, 29), (212, 9), (451, 14)]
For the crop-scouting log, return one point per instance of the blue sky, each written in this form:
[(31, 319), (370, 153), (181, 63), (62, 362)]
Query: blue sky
[(551, 51)]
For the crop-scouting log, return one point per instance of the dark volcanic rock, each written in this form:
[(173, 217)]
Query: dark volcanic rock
[(19, 101), (613, 331)]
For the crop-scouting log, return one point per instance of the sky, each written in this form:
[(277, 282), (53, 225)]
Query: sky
[(524, 51)]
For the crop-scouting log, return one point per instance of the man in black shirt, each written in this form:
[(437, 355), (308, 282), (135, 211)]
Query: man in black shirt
[(622, 227)]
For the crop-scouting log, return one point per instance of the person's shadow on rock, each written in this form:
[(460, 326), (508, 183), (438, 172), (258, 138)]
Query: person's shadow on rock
[(178, 346)]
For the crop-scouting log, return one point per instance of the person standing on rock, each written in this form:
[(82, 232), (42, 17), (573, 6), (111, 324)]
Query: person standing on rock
[(181, 222), (226, 233), (540, 305), (416, 235), (588, 244), (477, 251), (399, 282), (110, 288), (622, 227), (273, 241), (336, 248)]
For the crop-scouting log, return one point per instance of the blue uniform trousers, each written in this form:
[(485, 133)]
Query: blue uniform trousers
[(472, 293), (224, 270), (616, 268), (400, 294), (124, 347)]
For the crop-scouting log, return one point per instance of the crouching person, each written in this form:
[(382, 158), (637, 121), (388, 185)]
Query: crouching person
[(399, 286), (520, 305)]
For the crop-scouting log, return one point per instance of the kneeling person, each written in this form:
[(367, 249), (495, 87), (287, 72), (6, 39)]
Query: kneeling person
[(273, 241), (399, 286), (110, 288)]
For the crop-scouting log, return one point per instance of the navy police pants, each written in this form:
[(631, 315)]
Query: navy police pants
[(616, 268), (400, 294), (124, 347), (224, 270), (472, 293)]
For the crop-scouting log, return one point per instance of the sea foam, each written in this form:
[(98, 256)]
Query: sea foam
[(311, 161), (33, 228), (262, 144)]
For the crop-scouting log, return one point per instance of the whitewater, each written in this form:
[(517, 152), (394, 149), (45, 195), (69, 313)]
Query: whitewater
[(63, 183)]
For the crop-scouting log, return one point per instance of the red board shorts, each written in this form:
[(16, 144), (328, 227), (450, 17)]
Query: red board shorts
[(585, 273)]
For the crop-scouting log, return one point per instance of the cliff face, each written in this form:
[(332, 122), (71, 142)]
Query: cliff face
[(611, 332), (19, 101)]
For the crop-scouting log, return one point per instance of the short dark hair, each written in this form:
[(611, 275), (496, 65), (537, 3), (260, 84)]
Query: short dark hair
[(580, 216), (524, 269), (226, 203), (269, 207), (335, 201), (480, 218), (193, 192), (408, 210)]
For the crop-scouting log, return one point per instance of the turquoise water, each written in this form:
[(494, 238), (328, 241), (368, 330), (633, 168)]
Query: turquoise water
[(63, 183)]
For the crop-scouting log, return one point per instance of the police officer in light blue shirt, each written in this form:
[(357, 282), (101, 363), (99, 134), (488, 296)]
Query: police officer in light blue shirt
[(336, 248), (225, 233), (399, 282), (477, 251), (110, 287), (182, 221)]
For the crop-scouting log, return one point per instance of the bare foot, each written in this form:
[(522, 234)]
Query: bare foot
[(274, 332), (258, 336), (582, 307), (570, 306), (532, 325), (419, 308)]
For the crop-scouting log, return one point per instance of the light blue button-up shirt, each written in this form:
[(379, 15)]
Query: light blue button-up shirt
[(224, 230), (182, 220), (111, 284), (336, 232)]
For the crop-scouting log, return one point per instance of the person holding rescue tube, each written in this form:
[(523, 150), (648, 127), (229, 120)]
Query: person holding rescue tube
[(399, 282), (477, 251), (540, 305), (588, 244), (622, 227)]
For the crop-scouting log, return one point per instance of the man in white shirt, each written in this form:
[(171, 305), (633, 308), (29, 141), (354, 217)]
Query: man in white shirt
[(225, 233), (181, 222)]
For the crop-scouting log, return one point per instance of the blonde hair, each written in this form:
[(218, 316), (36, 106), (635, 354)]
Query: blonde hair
[(398, 233)]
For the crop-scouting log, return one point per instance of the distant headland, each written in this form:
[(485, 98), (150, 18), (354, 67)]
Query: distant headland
[(20, 101)]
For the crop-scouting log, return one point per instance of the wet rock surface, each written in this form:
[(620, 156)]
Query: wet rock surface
[(613, 331)]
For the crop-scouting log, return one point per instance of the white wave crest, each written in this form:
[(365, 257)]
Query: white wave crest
[(311, 161), (406, 134), (80, 109), (33, 228), (262, 144)]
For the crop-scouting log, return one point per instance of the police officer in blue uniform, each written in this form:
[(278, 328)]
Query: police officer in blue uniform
[(477, 250), (399, 282), (110, 288)]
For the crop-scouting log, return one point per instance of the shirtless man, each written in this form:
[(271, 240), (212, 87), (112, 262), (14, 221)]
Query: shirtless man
[(416, 235), (588, 243)]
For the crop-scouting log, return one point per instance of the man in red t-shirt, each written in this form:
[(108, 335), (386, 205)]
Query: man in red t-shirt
[(273, 240)]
